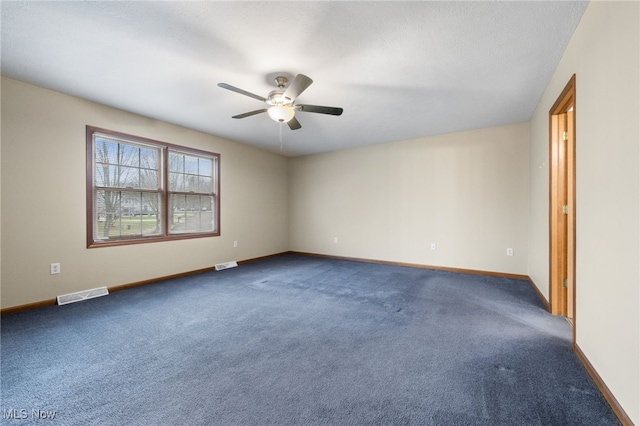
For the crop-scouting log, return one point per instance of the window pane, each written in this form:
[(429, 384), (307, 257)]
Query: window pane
[(206, 214), (129, 155), (191, 164), (130, 203), (191, 183), (176, 162), (205, 185), (106, 151), (176, 182), (149, 158), (106, 175), (205, 166), (178, 214), (107, 213), (151, 214), (193, 203), (149, 179), (129, 177)]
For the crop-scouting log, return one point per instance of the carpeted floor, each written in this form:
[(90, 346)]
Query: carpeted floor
[(298, 340)]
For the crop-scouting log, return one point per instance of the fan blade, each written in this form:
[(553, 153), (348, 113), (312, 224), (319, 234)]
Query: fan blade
[(294, 124), (250, 113), (320, 109), (297, 86), (242, 92)]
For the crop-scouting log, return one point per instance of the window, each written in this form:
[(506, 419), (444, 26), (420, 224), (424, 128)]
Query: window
[(141, 190)]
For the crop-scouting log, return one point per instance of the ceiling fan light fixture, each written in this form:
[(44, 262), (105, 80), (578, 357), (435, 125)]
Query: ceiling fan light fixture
[(281, 113)]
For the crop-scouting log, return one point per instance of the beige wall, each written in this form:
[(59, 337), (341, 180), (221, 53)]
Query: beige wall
[(604, 55), (43, 200), (466, 192)]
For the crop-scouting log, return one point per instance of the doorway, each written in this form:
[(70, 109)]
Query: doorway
[(562, 204)]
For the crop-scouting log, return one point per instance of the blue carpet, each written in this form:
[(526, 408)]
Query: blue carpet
[(298, 340)]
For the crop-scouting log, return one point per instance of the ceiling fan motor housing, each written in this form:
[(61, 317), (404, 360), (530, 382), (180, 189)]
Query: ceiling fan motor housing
[(276, 97)]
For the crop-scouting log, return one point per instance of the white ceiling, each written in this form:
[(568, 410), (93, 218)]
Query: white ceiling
[(400, 70)]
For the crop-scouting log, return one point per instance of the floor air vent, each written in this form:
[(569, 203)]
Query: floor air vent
[(226, 265), (82, 295)]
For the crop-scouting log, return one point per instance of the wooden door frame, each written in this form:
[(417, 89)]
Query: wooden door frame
[(562, 184)]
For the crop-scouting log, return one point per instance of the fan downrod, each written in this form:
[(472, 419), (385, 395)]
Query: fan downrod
[(276, 96)]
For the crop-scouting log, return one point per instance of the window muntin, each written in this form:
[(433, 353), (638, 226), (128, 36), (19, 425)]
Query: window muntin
[(142, 190)]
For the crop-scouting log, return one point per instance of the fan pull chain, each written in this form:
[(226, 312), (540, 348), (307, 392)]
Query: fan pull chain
[(281, 124)]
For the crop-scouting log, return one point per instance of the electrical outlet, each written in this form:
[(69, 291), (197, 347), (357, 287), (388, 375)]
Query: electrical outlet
[(235, 244), (509, 251), (54, 268), (433, 246), (335, 240)]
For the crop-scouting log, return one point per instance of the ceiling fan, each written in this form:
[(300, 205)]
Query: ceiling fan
[(281, 101)]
